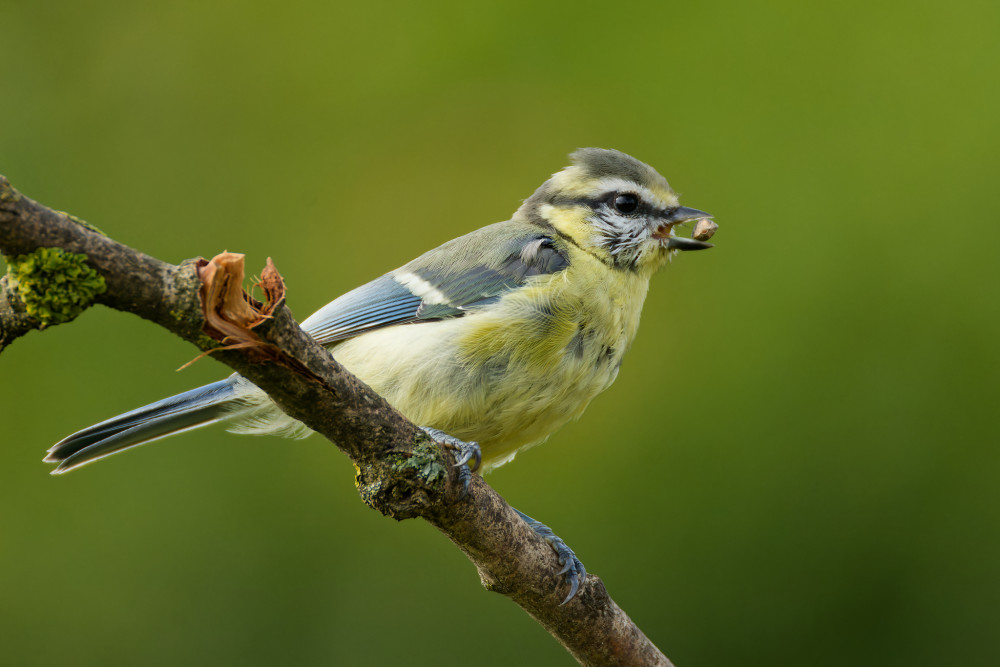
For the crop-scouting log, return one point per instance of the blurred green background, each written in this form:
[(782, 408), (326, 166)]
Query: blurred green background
[(799, 462)]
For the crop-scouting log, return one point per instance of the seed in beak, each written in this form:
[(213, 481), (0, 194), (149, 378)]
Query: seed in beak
[(704, 229)]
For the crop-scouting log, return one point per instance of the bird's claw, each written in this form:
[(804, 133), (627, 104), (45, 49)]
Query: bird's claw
[(464, 452), (467, 451), (572, 568)]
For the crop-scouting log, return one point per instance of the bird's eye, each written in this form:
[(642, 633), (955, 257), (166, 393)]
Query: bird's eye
[(626, 202)]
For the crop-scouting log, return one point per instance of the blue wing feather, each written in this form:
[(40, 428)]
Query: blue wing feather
[(464, 286), (382, 302)]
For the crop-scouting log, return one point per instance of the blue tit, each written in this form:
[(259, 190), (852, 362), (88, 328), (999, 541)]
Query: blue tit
[(498, 337)]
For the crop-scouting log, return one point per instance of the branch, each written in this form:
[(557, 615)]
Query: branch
[(400, 471)]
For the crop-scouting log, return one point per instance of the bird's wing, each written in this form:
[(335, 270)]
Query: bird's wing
[(450, 281)]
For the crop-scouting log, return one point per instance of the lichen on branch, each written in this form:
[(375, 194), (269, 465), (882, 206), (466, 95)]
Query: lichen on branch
[(54, 285)]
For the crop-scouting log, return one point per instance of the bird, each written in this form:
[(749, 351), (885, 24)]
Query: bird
[(490, 342)]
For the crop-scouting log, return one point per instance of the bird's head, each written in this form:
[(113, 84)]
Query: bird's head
[(616, 208)]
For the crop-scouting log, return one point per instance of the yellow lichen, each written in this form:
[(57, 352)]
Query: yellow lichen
[(55, 285)]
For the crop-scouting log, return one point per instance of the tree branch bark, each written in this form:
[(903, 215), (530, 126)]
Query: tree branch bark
[(400, 471)]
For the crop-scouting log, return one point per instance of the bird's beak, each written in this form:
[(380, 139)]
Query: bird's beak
[(676, 217), (683, 214), (683, 243)]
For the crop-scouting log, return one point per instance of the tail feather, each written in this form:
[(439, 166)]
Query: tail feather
[(182, 412)]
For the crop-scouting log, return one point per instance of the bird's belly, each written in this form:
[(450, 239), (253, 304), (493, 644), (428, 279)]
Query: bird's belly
[(505, 395)]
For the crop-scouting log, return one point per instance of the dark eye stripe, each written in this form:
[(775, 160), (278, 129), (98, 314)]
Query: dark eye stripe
[(644, 208)]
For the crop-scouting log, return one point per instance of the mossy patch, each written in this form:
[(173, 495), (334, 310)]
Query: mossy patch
[(54, 285), (426, 460)]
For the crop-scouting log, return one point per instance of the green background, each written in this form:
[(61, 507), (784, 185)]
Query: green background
[(799, 462)]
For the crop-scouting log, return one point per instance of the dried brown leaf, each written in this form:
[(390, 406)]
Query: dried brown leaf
[(230, 313)]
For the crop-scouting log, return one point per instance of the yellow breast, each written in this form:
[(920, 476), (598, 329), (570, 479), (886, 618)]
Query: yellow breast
[(509, 375)]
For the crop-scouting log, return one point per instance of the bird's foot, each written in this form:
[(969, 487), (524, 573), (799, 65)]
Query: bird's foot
[(465, 452), (574, 570)]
